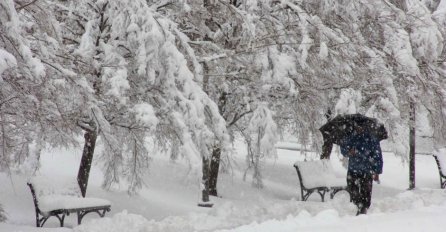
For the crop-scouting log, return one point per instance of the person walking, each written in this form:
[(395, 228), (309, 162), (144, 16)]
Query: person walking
[(365, 164)]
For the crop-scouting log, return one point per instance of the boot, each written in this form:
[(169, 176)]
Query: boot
[(361, 210)]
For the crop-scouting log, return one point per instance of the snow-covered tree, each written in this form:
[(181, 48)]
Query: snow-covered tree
[(382, 51), (327, 56), (223, 37), (185, 74), (137, 85), (20, 72), (30, 113), (33, 108), (390, 54)]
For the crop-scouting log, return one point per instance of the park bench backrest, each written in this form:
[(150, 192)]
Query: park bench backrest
[(45, 186), (315, 173), (441, 161)]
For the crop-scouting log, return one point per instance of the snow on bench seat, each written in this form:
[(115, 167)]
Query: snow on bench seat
[(59, 198), (318, 175), (55, 202)]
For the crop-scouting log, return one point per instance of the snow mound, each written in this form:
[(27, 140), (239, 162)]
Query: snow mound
[(125, 221), (269, 216)]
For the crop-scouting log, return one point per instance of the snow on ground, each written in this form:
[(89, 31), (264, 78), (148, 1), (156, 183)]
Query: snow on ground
[(419, 219), (169, 200)]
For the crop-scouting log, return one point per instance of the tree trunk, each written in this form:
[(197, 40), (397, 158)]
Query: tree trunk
[(87, 158), (205, 185), (412, 146), (213, 172)]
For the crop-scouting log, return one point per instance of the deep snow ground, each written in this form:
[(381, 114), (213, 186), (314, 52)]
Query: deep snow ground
[(168, 202)]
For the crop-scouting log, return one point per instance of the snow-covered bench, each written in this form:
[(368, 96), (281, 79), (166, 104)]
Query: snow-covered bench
[(52, 198), (319, 176), (440, 158)]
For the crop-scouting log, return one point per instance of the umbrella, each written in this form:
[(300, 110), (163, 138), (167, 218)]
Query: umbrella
[(342, 126)]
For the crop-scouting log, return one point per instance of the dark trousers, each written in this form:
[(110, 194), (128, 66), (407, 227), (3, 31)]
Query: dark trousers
[(360, 188)]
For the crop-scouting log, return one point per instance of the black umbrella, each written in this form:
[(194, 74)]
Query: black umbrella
[(342, 126)]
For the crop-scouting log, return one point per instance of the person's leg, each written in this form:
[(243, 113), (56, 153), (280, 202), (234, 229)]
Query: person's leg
[(365, 192), (353, 184)]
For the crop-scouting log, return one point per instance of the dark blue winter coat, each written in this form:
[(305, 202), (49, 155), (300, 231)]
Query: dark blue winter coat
[(367, 158)]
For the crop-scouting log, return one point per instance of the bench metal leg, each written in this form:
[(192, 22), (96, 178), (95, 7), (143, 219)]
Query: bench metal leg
[(79, 218), (322, 194), (37, 220), (81, 214), (334, 191), (306, 194), (332, 194), (41, 221), (61, 219)]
